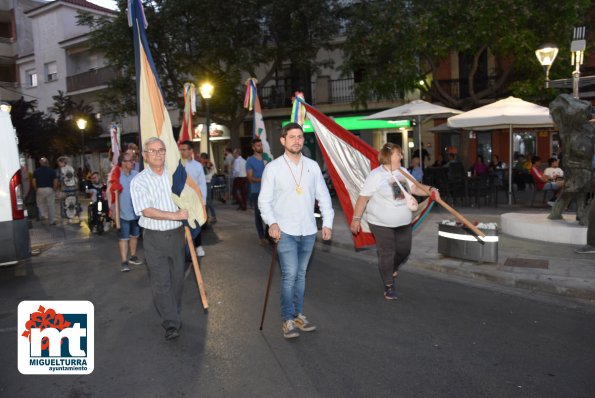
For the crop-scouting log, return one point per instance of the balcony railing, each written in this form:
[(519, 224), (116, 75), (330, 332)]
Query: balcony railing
[(459, 88), (342, 91), (93, 78), (324, 91)]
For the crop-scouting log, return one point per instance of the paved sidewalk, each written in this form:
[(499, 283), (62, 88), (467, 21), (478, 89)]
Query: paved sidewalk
[(567, 273)]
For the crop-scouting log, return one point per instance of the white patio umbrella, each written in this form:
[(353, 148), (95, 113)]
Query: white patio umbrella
[(414, 109), (507, 113)]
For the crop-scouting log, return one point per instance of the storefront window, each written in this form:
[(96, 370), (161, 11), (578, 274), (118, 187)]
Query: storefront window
[(484, 146), (524, 144), (449, 144)]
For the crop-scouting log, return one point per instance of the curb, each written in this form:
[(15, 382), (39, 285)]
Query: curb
[(543, 285), (562, 286)]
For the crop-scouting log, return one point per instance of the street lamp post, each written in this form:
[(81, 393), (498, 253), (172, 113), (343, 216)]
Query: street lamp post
[(547, 53), (82, 124), (206, 91), (577, 48)]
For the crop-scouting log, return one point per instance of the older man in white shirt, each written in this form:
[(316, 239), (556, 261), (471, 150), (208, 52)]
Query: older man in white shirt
[(163, 235), (290, 185)]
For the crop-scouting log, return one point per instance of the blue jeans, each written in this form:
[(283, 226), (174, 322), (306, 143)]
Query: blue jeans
[(128, 229), (294, 254), (209, 203)]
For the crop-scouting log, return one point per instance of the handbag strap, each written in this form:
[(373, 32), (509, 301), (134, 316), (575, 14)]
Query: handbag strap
[(398, 183)]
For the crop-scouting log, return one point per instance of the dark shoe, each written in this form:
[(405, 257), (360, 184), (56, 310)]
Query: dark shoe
[(125, 267), (585, 249), (390, 293), (135, 260), (171, 333)]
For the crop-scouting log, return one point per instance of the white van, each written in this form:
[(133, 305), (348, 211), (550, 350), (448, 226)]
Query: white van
[(14, 229)]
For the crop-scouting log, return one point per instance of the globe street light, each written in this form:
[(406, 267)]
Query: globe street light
[(546, 55), (81, 124), (206, 91)]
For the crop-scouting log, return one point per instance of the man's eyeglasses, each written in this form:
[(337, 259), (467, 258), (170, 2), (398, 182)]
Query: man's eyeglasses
[(160, 151), (128, 161)]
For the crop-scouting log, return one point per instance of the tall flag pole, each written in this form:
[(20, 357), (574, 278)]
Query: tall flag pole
[(186, 132), (251, 102), (154, 120)]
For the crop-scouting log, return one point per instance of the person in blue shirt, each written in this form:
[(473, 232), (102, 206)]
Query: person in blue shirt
[(416, 170), (129, 229), (254, 168), (196, 172)]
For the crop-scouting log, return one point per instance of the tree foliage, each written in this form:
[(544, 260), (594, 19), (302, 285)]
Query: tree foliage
[(398, 43), (224, 42), (55, 134)]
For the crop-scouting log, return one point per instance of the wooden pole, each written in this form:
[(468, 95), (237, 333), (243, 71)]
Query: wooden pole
[(199, 281), (117, 216), (447, 207), (266, 296)]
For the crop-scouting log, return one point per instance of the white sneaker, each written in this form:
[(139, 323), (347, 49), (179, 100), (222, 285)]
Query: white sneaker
[(200, 252)]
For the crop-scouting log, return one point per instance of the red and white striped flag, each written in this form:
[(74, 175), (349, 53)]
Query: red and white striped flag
[(349, 160)]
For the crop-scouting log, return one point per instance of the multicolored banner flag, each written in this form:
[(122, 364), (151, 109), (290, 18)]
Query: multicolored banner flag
[(349, 160), (298, 112), (251, 102), (115, 140), (186, 131), (155, 122)]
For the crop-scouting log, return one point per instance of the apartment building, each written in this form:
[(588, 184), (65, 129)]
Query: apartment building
[(16, 39)]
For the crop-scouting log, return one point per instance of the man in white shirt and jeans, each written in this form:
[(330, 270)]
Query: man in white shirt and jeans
[(290, 185)]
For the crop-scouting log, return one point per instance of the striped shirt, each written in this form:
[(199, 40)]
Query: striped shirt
[(151, 190)]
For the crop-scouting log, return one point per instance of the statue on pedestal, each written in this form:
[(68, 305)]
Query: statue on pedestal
[(577, 136)]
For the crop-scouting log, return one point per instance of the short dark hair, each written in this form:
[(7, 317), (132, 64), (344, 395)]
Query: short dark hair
[(535, 159), (290, 126), (551, 161), (256, 140), (204, 155), (188, 143), (122, 156)]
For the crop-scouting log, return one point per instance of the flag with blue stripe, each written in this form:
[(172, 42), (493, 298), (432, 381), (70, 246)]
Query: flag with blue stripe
[(154, 119)]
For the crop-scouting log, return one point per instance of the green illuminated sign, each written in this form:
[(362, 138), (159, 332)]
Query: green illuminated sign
[(356, 123)]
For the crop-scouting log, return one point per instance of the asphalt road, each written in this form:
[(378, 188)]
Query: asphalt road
[(442, 338)]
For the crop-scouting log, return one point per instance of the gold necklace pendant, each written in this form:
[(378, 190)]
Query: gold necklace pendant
[(298, 189)]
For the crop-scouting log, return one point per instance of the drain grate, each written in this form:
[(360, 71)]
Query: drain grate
[(526, 263)]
